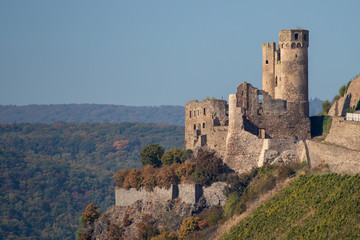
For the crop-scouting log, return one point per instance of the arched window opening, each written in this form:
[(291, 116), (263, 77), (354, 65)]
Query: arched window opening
[(203, 125), (266, 62)]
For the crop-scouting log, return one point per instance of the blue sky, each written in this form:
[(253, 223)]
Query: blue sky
[(163, 52)]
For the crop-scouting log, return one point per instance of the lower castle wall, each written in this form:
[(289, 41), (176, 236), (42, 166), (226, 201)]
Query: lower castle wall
[(339, 159), (188, 193), (344, 133)]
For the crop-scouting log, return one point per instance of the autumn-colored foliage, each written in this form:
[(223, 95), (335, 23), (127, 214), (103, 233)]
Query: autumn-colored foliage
[(166, 177), (185, 170), (149, 177), (120, 176), (189, 225), (133, 179), (90, 214), (146, 228), (121, 144)]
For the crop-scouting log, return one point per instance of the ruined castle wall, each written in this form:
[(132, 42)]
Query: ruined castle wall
[(242, 148), (283, 151), (214, 195), (188, 193), (344, 133), (271, 118), (206, 125), (126, 197), (268, 67), (339, 159)]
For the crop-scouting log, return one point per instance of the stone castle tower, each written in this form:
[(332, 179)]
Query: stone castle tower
[(285, 69)]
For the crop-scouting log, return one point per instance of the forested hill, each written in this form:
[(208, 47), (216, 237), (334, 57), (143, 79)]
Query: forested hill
[(92, 113), (50, 172)]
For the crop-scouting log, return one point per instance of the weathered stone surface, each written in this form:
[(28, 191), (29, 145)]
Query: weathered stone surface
[(344, 133), (214, 194), (349, 100), (339, 159), (187, 193)]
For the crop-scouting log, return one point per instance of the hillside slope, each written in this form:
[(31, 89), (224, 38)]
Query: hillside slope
[(311, 207)]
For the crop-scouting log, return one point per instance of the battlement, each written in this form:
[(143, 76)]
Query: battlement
[(271, 45)]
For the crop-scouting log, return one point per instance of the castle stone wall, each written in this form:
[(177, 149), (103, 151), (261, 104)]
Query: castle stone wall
[(188, 193), (339, 159), (206, 125), (344, 133)]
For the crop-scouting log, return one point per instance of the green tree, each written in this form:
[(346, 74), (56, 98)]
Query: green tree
[(326, 107), (342, 90), (152, 154), (172, 156)]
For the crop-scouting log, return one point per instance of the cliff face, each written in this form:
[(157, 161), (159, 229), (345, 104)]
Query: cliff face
[(126, 221), (349, 100)]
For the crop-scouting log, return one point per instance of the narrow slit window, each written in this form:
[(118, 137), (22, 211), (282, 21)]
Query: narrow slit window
[(203, 125), (204, 111), (190, 114), (194, 126), (260, 99), (305, 37), (198, 112)]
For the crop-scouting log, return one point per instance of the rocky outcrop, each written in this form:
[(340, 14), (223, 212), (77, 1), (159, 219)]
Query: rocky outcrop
[(349, 100)]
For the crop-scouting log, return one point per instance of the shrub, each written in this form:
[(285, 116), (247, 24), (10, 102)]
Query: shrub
[(166, 177), (342, 90), (230, 204), (151, 155), (213, 215), (172, 156), (189, 225), (149, 177), (285, 171), (208, 167), (133, 179), (146, 228), (85, 236), (236, 183), (187, 154), (326, 107), (115, 232), (120, 176), (90, 214), (184, 170), (165, 235), (240, 208)]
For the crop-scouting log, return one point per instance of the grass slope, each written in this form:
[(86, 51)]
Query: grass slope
[(312, 207)]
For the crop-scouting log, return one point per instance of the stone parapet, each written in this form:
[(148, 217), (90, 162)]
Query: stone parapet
[(188, 193)]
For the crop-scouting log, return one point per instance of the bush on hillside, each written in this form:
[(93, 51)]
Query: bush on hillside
[(342, 90), (189, 225)]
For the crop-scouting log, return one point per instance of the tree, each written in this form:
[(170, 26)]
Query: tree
[(152, 154), (172, 156), (90, 214), (342, 90), (326, 107)]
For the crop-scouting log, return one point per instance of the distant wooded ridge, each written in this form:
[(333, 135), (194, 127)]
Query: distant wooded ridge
[(164, 114), (92, 113)]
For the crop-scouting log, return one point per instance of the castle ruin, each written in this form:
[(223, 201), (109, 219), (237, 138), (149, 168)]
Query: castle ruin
[(254, 123)]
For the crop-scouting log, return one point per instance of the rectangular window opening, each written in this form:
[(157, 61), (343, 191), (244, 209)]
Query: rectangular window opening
[(296, 36)]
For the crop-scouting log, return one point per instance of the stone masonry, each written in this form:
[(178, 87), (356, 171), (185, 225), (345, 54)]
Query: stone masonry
[(237, 130)]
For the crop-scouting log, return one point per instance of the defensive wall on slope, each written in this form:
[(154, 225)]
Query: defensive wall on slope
[(188, 193), (344, 133), (338, 158)]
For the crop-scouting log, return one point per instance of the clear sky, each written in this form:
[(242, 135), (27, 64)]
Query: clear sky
[(163, 52)]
